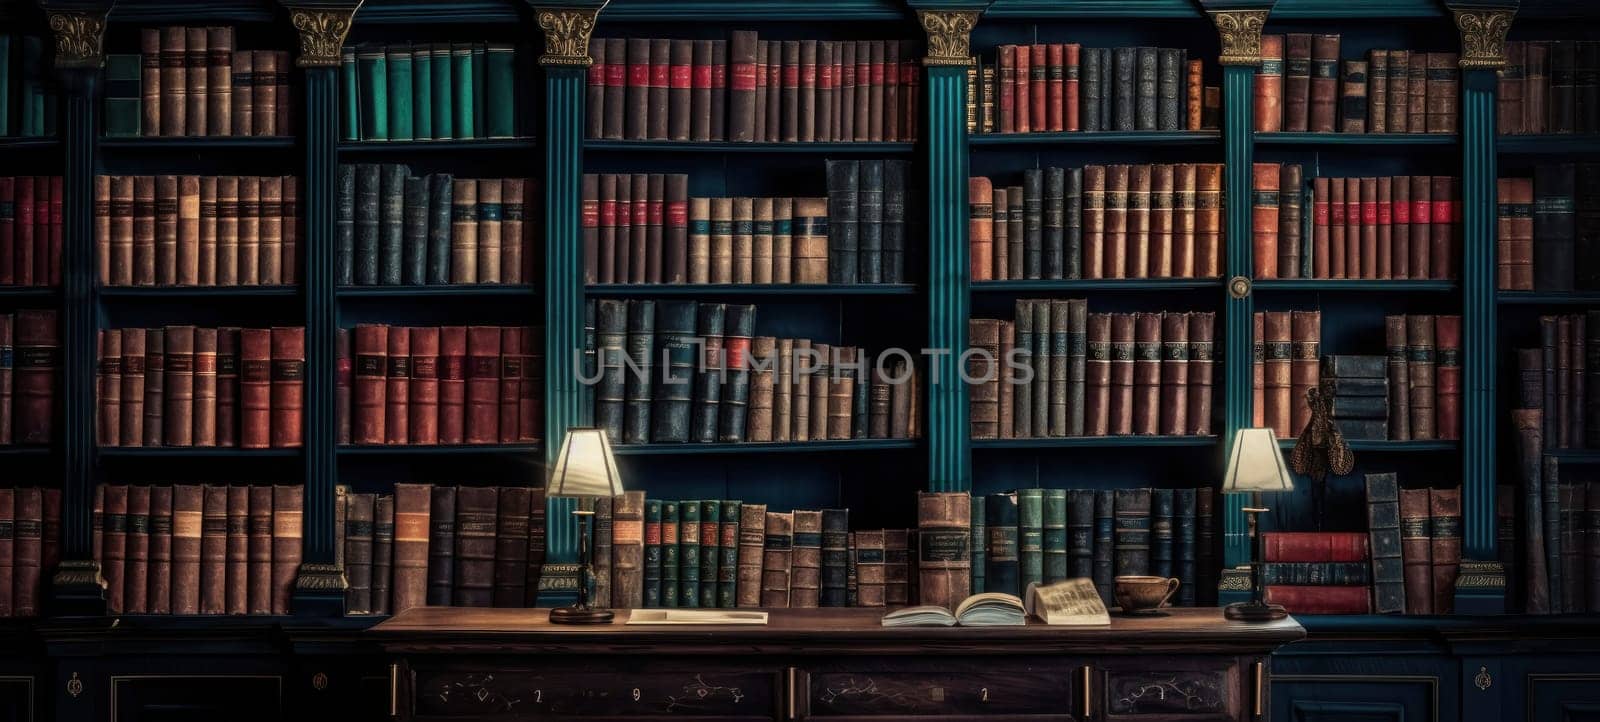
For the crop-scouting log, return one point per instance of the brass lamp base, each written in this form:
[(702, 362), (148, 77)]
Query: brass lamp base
[(576, 615), (1252, 612)]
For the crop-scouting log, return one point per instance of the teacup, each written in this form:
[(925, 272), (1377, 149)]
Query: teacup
[(1142, 594)]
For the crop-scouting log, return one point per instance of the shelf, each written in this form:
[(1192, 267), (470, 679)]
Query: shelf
[(15, 450), (1576, 456), (723, 11), (1427, 624), (199, 142), (680, 290), (441, 449), (775, 447), (1362, 284), (1548, 298), (12, 142), (378, 147), (208, 292), (480, 289), (1548, 143), (1356, 138), (1390, 446), (29, 292), (135, 452), (1137, 137), (1096, 284), (1093, 442), (723, 146)]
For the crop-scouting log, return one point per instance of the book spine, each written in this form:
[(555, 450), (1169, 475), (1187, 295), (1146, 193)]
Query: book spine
[(944, 554), (1445, 546), (777, 560), (1296, 82), (1161, 532), (1132, 532), (1148, 350), (1291, 220), (1174, 373), (1353, 97), (751, 552), (1269, 104), (288, 508)]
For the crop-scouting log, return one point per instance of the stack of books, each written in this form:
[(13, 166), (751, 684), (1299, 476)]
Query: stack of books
[(193, 549), (1304, 86), (1545, 88), (421, 91), (28, 94), (30, 345), (1065, 87), (1544, 224), (1360, 402), (1317, 572), (197, 230), (1284, 367), (192, 82), (1547, 524), (1555, 378), (30, 230), (30, 549)]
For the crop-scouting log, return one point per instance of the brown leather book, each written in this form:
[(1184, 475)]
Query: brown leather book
[(1444, 259), (204, 388), (1265, 178), (589, 215), (1444, 522), (243, 93), (188, 229), (1447, 376), (783, 393), (943, 555), (679, 87), (260, 548), (510, 386), (269, 267), (1416, 550), (1443, 91), (1183, 219), (1321, 228), (804, 366), (1521, 227), (657, 87), (1417, 97), (1400, 235), (155, 375), (1097, 402), (7, 345), (144, 231), (188, 522), (1536, 106), (1384, 193), (984, 398), (1291, 217), (174, 80), (1201, 362), (1208, 220), (219, 81), (475, 546), (489, 243), (196, 78), (423, 392), (120, 227), (207, 229), (1377, 91), (452, 384), (102, 231), (1258, 372), (1117, 224), (763, 384), (369, 418), (1420, 366), (898, 567), (841, 393), (530, 409), (722, 256), (113, 546), (131, 409), (288, 386), (810, 240), (1269, 86), (821, 380), (1400, 92), (743, 241), (1421, 241), (1146, 370), (627, 550), (136, 569), (178, 416), (248, 254), (1323, 115), (1296, 82), (513, 230), (288, 508), (1305, 352), (1366, 192), (237, 550), (805, 583), (1353, 97), (752, 551), (227, 259), (264, 88), (1000, 201), (166, 247), (158, 594), (616, 81), (150, 81), (697, 255), (777, 559), (358, 553), (397, 386), (108, 427), (290, 230), (511, 547), (1094, 221), (1122, 373), (27, 551), (1138, 253), (1338, 248), (482, 385), (1399, 375), (1006, 376), (1174, 373), (1163, 195), (343, 376), (382, 552), (1277, 369), (464, 231), (255, 388), (214, 550), (869, 568)]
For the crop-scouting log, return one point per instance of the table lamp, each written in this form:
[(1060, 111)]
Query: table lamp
[(584, 470), (1255, 465)]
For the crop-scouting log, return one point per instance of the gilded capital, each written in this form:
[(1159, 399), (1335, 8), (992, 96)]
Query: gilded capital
[(949, 35), (318, 577), (1483, 37), (1240, 31), (322, 32), (78, 38), (566, 35)]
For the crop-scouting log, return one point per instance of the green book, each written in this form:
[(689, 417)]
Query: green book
[(652, 550), (349, 95), (1055, 535), (1030, 536), (479, 91), (32, 91), (669, 554), (500, 95), (123, 96), (443, 108), (399, 92), (980, 543), (374, 75), (728, 556), (710, 550), (688, 553), (461, 69), (5, 84), (422, 92)]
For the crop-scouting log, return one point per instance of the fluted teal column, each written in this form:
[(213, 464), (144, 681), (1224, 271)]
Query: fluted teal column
[(1480, 588)]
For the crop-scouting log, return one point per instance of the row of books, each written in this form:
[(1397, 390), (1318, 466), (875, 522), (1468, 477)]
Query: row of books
[(1286, 349), (644, 228), (1549, 527), (1555, 377), (746, 89), (1549, 87), (1058, 370), (1395, 227), (187, 386), (28, 94), (30, 546), (1302, 87), (1047, 535), (1356, 390), (1065, 87), (421, 91), (393, 228), (429, 385), (198, 549), (30, 345), (682, 371), (1111, 221), (1546, 229), (30, 230), (190, 81), (197, 230)]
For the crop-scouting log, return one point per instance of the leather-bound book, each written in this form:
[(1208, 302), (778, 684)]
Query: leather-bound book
[(1353, 97), (805, 584), (1291, 215), (1383, 524), (985, 399), (113, 546), (761, 240), (370, 383), (741, 86), (835, 556), (204, 388), (1146, 369), (980, 228), (1536, 106), (1208, 220), (1305, 350), (510, 383), (1001, 567), (214, 550), (136, 569), (1077, 349), (870, 572), (675, 327), (1572, 522), (187, 257), (627, 550), (206, 220), (1417, 96), (1030, 536), (1258, 369), (259, 531), (1080, 533), (158, 594), (636, 109), (1443, 87), (589, 221), (412, 505), (1174, 373), (821, 393), (243, 80), (174, 85), (721, 243), (1445, 547), (742, 238), (1124, 88), (511, 547), (1416, 550), (382, 552), (166, 229), (1122, 376), (441, 544), (1384, 245), (475, 546), (898, 567), (1447, 407), (1444, 259), (1006, 377), (595, 91), (1131, 540), (1064, 246), (420, 399), (150, 81), (391, 225), (288, 386), (1377, 103), (188, 520), (178, 385), (464, 235), (751, 552), (703, 415), (762, 387), (690, 555), (483, 385), (1552, 499), (675, 263), (1184, 537), (1324, 90), (366, 186), (658, 88), (1170, 72), (698, 253), (248, 254), (1039, 407), (1103, 542), (842, 218), (154, 382), (1400, 253), (1554, 227), (1057, 394), (777, 560), (1420, 344), (1296, 82), (491, 239), (1398, 102), (288, 509), (870, 257), (1094, 221), (617, 72), (1277, 369), (944, 559), (1550, 373), (236, 548), (269, 268), (1590, 412), (1115, 254), (1269, 110), (1162, 194), (108, 379), (1097, 365), (1161, 532), (609, 394), (1137, 256), (806, 128), (783, 394), (1322, 229), (1264, 217), (671, 584)]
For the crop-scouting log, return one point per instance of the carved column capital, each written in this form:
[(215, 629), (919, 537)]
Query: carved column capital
[(1240, 31), (566, 35), (322, 32), (316, 577), (949, 35), (79, 35), (1483, 37)]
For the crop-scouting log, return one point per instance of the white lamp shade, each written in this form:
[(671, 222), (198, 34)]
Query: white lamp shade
[(585, 467), (1255, 464)]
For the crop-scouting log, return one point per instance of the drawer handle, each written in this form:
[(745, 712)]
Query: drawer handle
[(1088, 705), (1261, 674), (394, 690)]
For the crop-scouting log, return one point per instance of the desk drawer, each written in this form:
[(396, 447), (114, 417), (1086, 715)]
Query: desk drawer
[(695, 692), (1190, 690), (954, 688)]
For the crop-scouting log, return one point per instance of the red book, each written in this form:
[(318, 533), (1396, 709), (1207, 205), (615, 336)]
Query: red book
[(1400, 234), (1447, 376), (483, 385), (1022, 63), (1004, 119), (56, 233), (424, 391), (530, 415), (343, 372), (37, 351), (255, 388), (8, 226), (22, 244), (1385, 224), (1071, 85), (158, 597), (114, 546), (1264, 217), (1442, 261), (510, 382), (1320, 599), (1309, 546), (28, 552), (1337, 263), (1444, 525), (136, 557), (1320, 228), (1055, 83), (7, 546), (1038, 87), (1421, 226), (1352, 227), (214, 550), (288, 386), (1415, 550), (397, 386), (371, 369), (452, 384), (41, 230), (1369, 227)]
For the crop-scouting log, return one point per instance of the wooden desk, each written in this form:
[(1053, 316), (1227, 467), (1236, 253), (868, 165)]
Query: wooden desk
[(834, 664)]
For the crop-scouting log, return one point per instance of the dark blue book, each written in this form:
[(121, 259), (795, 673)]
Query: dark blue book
[(1080, 534), (344, 226), (611, 334), (1131, 540), (894, 220), (441, 202), (1104, 543), (1055, 535), (710, 550), (728, 555), (1091, 91), (869, 223), (638, 372), (652, 553), (708, 373), (1000, 568), (733, 408), (844, 186), (674, 393), (1183, 542), (1161, 528), (415, 259), (1317, 573), (980, 544), (391, 223), (835, 557), (368, 188)]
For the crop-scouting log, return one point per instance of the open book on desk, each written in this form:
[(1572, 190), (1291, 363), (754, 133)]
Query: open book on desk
[(695, 616), (1073, 602)]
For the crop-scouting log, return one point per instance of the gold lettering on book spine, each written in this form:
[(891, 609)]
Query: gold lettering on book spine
[(322, 33), (1483, 37), (78, 38), (1240, 31), (949, 35), (566, 35)]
